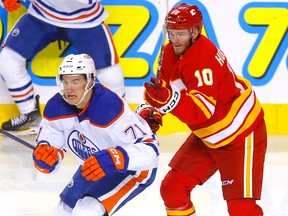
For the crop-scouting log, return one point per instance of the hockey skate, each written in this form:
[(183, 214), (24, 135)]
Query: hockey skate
[(24, 122)]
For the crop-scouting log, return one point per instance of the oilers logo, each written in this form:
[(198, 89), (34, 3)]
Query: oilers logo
[(71, 183), (80, 145), (15, 32)]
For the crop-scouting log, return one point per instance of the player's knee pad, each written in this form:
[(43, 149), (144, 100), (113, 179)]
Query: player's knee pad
[(89, 206), (12, 66), (113, 78), (175, 189), (244, 207)]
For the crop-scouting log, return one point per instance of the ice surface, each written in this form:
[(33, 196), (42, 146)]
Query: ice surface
[(27, 192)]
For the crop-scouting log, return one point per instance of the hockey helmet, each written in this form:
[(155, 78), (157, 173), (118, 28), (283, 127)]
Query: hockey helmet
[(184, 16), (80, 64)]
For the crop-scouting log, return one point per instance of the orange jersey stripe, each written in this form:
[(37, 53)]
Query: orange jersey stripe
[(116, 59), (111, 201), (69, 19)]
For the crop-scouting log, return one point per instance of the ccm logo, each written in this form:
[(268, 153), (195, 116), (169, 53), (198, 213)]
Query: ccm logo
[(227, 182), (172, 103), (116, 157)]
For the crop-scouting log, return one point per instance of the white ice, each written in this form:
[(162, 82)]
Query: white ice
[(27, 192)]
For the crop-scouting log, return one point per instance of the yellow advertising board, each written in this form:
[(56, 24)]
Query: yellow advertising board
[(252, 34)]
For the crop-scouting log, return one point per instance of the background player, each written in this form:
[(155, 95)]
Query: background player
[(116, 147), (75, 21), (198, 86)]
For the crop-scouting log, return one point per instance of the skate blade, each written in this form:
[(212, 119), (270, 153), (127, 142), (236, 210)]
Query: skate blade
[(25, 131)]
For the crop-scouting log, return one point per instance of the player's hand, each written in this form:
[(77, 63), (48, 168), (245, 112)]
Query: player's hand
[(151, 115), (161, 95), (104, 162), (47, 158), (11, 5)]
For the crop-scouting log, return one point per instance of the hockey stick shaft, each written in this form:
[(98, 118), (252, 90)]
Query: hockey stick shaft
[(21, 141), (157, 84), (161, 55)]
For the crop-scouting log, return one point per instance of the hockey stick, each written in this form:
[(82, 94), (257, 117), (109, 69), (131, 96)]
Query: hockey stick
[(161, 56), (157, 84), (21, 141)]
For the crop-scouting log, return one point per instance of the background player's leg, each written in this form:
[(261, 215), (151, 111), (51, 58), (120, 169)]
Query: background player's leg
[(19, 85), (112, 77), (98, 43)]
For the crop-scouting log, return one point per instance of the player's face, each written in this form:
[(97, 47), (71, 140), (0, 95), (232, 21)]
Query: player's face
[(180, 39), (74, 88)]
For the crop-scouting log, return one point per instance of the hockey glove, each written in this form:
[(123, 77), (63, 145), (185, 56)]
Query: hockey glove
[(151, 116), (11, 5), (47, 158), (161, 95), (104, 162)]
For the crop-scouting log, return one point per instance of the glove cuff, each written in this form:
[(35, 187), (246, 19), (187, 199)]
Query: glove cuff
[(122, 162), (142, 106), (172, 103)]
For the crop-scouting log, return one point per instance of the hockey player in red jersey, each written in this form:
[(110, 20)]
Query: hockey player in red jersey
[(198, 86)]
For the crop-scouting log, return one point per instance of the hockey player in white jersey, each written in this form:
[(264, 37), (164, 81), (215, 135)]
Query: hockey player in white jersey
[(116, 148), (79, 22)]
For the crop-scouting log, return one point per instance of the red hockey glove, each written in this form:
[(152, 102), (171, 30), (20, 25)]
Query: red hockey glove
[(161, 95), (47, 158), (11, 5), (104, 162), (151, 115)]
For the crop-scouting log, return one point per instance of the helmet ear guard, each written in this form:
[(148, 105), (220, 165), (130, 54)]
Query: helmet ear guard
[(184, 16)]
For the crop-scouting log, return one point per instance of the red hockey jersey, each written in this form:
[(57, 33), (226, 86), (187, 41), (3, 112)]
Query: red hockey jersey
[(218, 106)]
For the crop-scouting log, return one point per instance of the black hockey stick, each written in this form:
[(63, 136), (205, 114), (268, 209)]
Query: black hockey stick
[(21, 141)]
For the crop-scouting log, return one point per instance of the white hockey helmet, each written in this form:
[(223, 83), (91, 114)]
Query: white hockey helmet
[(77, 64)]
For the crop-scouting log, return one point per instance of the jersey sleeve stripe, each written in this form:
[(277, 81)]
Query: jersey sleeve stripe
[(244, 111), (203, 103)]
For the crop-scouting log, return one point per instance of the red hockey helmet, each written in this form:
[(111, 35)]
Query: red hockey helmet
[(184, 16)]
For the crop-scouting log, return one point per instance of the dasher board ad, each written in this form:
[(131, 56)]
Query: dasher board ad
[(252, 34)]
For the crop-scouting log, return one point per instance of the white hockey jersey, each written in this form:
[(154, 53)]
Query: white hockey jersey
[(69, 13), (107, 121)]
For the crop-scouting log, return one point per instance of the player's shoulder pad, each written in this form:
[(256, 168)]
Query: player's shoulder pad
[(57, 108), (105, 106)]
